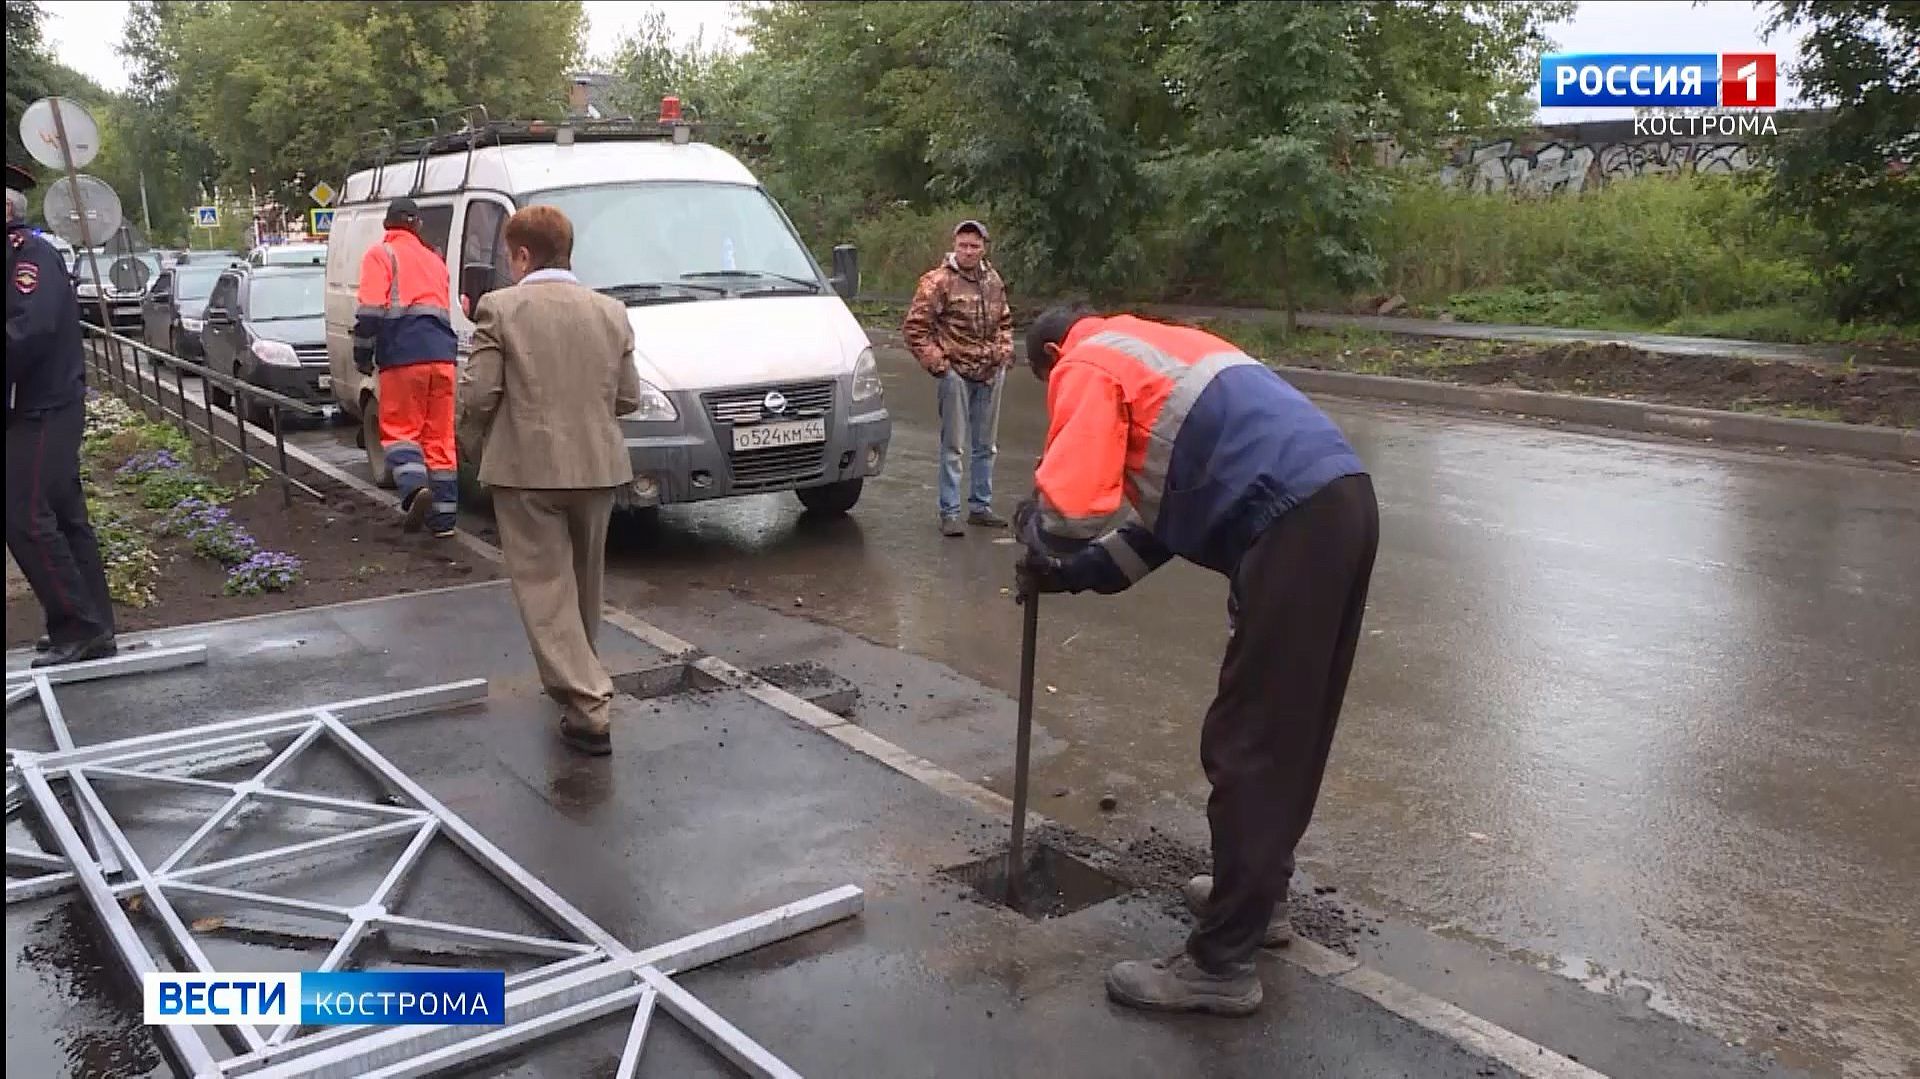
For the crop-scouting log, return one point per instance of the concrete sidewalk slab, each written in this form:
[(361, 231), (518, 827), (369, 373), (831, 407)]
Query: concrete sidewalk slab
[(713, 806)]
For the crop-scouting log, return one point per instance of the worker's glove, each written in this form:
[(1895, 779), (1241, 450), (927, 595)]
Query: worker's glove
[(1036, 573), (363, 360)]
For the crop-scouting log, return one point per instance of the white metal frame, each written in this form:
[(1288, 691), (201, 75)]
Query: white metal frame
[(589, 974)]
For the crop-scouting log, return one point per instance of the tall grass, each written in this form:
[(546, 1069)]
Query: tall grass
[(1683, 254), (1654, 249)]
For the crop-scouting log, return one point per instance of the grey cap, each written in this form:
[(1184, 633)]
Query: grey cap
[(970, 225), (402, 209)]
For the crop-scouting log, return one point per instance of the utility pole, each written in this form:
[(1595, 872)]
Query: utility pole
[(146, 215)]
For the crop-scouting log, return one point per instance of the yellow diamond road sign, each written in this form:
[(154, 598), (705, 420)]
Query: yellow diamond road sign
[(321, 193)]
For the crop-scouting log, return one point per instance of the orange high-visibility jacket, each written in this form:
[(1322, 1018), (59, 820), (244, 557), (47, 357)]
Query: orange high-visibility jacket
[(403, 316), (1206, 445)]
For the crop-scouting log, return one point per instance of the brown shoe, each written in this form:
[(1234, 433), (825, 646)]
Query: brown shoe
[(592, 743)]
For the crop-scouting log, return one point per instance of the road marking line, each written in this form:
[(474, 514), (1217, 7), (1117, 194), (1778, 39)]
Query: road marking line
[(1477, 1035), (1529, 1058)]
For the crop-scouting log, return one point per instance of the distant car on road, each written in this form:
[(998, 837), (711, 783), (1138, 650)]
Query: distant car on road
[(174, 310), (289, 255), (127, 278), (266, 325)]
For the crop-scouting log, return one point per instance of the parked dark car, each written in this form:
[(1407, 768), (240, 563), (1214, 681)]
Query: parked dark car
[(266, 325), (174, 310)]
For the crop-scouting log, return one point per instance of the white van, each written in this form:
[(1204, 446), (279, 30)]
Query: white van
[(755, 376)]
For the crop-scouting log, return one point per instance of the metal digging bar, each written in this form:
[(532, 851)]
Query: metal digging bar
[(590, 974)]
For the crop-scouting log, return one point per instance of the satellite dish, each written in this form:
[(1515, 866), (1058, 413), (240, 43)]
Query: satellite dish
[(41, 135), (128, 274), (98, 205)]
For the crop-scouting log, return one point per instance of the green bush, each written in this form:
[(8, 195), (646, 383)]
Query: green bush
[(899, 245)]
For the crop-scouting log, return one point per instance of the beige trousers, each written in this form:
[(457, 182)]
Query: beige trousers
[(555, 543)]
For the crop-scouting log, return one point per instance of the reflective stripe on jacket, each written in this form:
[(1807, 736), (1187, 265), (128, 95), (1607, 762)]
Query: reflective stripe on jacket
[(403, 315), (1205, 444)]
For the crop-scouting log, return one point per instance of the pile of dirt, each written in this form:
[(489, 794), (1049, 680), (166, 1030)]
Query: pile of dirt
[(350, 549), (1879, 396)]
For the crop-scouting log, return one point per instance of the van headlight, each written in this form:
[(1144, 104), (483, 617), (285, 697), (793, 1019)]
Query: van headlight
[(655, 407), (275, 353), (866, 376)]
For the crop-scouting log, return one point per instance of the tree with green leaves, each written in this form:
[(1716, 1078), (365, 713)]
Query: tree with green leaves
[(1855, 171), (281, 91), (1269, 178)]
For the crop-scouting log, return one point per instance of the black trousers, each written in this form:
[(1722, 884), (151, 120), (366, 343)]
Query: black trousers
[(1299, 595), (47, 529)]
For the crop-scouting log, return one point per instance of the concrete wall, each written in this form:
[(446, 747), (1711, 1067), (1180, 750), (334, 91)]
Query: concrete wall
[(1574, 157)]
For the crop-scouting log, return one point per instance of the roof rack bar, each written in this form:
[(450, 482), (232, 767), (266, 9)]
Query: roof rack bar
[(477, 120)]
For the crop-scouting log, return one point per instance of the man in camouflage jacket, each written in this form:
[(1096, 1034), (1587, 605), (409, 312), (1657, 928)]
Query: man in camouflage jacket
[(961, 330)]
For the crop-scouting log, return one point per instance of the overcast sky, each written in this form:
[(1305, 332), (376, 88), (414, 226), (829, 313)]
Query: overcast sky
[(84, 33)]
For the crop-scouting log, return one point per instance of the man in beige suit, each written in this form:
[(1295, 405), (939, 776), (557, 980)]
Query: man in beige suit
[(552, 368)]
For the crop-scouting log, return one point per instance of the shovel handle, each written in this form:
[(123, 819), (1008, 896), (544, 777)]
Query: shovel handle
[(1029, 639)]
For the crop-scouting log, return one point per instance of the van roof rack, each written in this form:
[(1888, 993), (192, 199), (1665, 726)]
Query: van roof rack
[(470, 129)]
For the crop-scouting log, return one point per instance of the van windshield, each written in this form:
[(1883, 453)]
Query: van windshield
[(710, 238)]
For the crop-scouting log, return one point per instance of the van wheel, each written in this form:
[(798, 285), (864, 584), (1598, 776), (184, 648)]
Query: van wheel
[(370, 439), (833, 499)]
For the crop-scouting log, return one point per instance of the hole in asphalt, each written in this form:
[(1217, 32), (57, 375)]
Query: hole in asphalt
[(1053, 883)]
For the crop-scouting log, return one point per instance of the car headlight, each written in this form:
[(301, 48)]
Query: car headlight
[(655, 407), (277, 353), (866, 376), (192, 325)]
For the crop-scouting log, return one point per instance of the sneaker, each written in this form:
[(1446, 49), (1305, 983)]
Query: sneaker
[(986, 519), (1279, 927), (1180, 985), (415, 506), (950, 526)]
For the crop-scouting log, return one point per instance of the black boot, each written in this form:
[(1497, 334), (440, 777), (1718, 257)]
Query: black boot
[(78, 652), (42, 643)]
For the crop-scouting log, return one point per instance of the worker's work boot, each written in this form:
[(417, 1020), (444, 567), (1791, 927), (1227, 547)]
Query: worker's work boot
[(415, 507), (1279, 929), (986, 519), (950, 526), (1180, 985)]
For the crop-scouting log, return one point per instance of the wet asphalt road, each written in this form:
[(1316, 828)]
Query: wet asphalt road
[(1639, 712)]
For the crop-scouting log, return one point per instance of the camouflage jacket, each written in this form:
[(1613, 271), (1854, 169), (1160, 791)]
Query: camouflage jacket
[(961, 321)]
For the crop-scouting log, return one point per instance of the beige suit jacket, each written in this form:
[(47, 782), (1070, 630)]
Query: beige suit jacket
[(551, 370)]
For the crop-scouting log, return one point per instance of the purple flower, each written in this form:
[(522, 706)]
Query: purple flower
[(154, 461), (265, 571)]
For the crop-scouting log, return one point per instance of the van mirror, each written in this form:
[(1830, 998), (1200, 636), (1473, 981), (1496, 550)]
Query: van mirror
[(476, 280), (846, 271)]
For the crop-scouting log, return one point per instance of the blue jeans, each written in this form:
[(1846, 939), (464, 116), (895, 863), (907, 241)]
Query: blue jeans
[(969, 423)]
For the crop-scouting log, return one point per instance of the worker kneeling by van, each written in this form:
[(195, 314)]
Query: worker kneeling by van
[(403, 328), (551, 371)]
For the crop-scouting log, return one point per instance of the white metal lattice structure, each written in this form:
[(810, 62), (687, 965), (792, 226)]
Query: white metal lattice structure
[(587, 974)]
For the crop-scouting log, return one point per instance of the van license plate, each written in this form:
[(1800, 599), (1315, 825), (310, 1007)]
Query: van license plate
[(764, 435)]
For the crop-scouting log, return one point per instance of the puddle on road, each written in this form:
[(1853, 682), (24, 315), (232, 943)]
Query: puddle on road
[(70, 1010)]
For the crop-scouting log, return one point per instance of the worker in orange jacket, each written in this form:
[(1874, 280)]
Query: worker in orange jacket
[(1221, 462), (403, 328)]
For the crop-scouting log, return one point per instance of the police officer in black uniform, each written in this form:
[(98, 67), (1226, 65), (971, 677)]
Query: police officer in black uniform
[(47, 529)]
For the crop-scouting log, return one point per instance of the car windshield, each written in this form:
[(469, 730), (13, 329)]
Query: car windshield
[(284, 296), (707, 239), (195, 282)]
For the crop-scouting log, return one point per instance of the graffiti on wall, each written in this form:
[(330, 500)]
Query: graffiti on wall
[(1548, 167)]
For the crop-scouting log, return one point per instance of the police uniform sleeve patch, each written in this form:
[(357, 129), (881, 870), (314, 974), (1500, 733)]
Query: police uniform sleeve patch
[(26, 278)]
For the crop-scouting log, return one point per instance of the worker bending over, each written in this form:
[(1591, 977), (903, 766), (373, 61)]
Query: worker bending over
[(1227, 465)]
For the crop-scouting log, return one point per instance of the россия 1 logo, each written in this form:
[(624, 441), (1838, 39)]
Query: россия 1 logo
[(1734, 80)]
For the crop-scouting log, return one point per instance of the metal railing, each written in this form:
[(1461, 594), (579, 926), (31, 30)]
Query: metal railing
[(126, 368)]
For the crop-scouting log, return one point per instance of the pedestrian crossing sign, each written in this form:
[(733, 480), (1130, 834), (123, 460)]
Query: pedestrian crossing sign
[(320, 221), (207, 217)]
